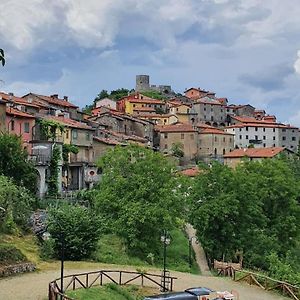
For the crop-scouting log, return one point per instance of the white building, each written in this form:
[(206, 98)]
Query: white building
[(107, 103)]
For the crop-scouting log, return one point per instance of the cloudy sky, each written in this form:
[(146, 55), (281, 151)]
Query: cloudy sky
[(245, 50)]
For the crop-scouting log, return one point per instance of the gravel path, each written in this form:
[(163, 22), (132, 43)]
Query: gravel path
[(199, 252), (34, 286)]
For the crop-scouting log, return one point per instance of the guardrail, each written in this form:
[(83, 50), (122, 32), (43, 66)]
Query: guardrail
[(261, 281), (98, 278)]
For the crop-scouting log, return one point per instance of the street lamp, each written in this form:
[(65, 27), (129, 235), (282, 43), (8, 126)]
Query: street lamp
[(190, 249), (166, 240), (46, 236)]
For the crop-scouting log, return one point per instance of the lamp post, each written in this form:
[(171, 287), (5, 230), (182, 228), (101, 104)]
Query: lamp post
[(190, 249), (165, 239)]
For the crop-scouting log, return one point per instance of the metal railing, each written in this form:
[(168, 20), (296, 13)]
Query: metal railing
[(98, 278)]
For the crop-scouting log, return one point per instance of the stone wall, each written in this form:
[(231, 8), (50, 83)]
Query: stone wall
[(16, 269)]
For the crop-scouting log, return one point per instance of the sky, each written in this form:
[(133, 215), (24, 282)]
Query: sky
[(245, 50)]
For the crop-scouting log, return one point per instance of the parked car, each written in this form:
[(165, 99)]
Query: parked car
[(198, 293)]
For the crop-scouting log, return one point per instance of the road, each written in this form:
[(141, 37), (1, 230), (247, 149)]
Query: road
[(34, 286)]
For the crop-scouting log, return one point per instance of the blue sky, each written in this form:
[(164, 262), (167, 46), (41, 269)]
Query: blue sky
[(245, 50)]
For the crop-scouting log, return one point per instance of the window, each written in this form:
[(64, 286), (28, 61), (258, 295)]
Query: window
[(273, 129), (264, 137), (240, 129), (224, 139), (264, 145), (274, 145), (166, 135), (166, 146), (67, 134), (211, 118), (283, 138), (240, 137), (26, 127), (133, 105), (204, 109), (182, 136), (274, 138), (246, 137), (256, 129), (256, 137), (247, 128), (12, 125), (216, 139), (264, 129), (293, 138), (283, 130), (74, 134)]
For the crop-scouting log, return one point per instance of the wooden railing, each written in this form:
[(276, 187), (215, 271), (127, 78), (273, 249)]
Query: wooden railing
[(262, 281), (98, 278)]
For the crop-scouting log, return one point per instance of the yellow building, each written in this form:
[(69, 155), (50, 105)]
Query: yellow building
[(159, 119)]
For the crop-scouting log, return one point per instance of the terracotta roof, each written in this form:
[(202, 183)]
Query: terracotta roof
[(214, 131), (255, 152), (203, 125), (15, 112), (191, 172), (146, 101), (244, 119), (69, 122), (155, 116), (265, 124), (197, 89), (178, 127), (17, 100), (55, 101), (204, 101), (107, 141)]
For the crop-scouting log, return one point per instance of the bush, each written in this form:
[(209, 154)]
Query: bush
[(78, 227), (10, 255)]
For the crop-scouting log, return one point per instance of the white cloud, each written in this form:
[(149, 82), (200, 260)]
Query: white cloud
[(297, 63)]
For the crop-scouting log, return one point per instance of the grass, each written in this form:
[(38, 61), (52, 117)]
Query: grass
[(111, 250), (112, 292)]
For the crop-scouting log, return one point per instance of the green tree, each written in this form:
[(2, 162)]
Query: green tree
[(137, 196), (2, 58), (119, 93), (14, 162), (79, 228), (103, 94), (177, 149), (16, 205)]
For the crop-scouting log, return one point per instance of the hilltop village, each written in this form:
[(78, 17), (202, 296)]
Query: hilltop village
[(190, 127)]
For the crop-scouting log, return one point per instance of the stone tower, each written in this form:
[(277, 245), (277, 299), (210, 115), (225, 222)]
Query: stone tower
[(142, 83)]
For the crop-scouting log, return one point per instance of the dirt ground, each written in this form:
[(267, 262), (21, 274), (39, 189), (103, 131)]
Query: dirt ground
[(34, 286)]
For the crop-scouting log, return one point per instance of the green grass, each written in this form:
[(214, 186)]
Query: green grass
[(112, 292), (112, 250)]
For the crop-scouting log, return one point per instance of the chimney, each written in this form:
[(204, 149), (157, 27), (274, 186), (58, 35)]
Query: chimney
[(54, 96), (66, 98)]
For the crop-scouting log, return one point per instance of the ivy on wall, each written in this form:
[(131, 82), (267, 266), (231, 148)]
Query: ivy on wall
[(50, 128), (53, 179), (68, 148)]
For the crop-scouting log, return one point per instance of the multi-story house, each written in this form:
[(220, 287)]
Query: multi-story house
[(263, 134), (210, 111), (52, 105), (184, 112), (2, 116), (184, 135), (20, 123), (125, 124), (196, 93), (213, 143), (137, 101), (159, 119), (106, 102)]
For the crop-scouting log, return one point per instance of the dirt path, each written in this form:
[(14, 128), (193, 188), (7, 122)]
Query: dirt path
[(199, 252), (34, 286)]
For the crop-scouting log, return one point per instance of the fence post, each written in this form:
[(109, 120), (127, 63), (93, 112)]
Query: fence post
[(101, 279), (120, 278), (87, 281)]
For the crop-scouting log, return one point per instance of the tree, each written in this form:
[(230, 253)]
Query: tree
[(79, 228), (16, 205), (118, 93), (103, 94), (251, 210), (137, 196), (177, 149), (14, 162), (2, 58)]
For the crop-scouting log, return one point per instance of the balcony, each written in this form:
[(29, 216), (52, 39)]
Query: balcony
[(39, 159)]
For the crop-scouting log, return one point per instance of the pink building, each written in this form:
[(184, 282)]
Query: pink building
[(20, 123)]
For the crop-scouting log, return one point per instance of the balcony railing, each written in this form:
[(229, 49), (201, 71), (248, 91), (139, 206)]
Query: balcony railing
[(39, 159)]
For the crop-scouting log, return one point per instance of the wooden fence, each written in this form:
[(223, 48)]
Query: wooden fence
[(98, 278), (262, 281)]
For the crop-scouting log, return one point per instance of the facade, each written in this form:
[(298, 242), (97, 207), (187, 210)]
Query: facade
[(159, 119), (195, 93), (213, 143), (262, 134), (183, 134), (183, 112), (237, 156), (20, 123), (2, 116), (106, 102)]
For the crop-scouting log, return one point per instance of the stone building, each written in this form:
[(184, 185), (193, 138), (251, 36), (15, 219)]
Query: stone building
[(143, 84)]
